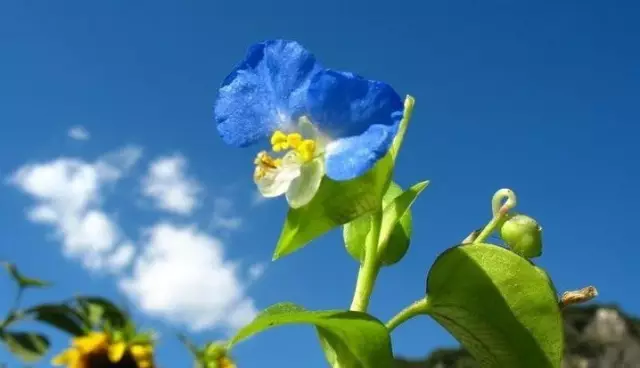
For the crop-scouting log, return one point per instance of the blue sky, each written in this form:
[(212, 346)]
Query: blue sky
[(538, 96)]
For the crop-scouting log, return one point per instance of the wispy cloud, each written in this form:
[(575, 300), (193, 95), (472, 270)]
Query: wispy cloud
[(182, 276), (168, 185), (68, 197), (256, 270), (223, 215), (79, 133), (176, 273)]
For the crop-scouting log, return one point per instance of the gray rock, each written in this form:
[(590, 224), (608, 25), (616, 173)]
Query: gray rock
[(596, 336)]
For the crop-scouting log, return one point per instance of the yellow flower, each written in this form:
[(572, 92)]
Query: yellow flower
[(97, 350), (225, 362)]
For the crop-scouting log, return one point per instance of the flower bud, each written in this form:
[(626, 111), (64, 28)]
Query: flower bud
[(523, 235), (217, 356), (355, 233)]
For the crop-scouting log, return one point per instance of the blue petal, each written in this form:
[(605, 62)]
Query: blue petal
[(360, 118), (266, 91)]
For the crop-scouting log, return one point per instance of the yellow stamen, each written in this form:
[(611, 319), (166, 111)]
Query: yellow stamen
[(279, 141), (264, 163), (294, 140), (259, 173), (306, 150), (264, 160)]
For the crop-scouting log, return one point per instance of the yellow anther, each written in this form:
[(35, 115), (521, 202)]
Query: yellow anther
[(259, 173), (264, 163), (279, 141), (307, 150), (264, 160), (294, 140)]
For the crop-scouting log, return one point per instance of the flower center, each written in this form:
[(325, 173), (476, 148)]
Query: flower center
[(304, 149)]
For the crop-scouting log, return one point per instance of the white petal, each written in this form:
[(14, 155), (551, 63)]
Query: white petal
[(305, 186), (306, 128), (309, 131), (277, 181)]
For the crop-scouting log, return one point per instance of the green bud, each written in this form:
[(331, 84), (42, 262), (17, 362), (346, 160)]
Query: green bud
[(215, 350), (355, 233), (523, 235)]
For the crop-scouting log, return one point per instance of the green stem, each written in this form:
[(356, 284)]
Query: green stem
[(11, 315), (368, 271), (420, 307), (499, 212)]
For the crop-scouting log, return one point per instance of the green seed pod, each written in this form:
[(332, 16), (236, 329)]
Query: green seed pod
[(355, 233), (523, 235)]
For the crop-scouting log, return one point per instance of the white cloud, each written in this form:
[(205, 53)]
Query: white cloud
[(256, 270), (68, 195), (121, 257), (182, 276), (178, 274), (79, 133), (223, 217), (167, 184)]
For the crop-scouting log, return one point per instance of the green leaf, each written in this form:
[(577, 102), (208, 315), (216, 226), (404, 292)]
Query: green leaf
[(335, 203), (23, 281), (97, 311), (337, 353), (59, 316), (359, 337), (498, 305), (27, 346), (396, 225)]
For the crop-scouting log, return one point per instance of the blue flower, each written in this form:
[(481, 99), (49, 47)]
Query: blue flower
[(323, 121)]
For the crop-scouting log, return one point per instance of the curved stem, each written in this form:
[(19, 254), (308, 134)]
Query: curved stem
[(499, 196), (370, 266), (499, 211), (418, 308)]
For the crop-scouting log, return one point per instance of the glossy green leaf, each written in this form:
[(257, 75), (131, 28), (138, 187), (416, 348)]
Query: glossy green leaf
[(59, 316), (498, 305), (21, 280), (337, 353), (396, 225), (27, 346), (360, 338), (335, 204)]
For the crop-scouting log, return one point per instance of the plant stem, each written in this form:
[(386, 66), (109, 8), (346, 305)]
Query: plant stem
[(368, 271), (419, 307), (499, 212), (488, 229), (11, 314)]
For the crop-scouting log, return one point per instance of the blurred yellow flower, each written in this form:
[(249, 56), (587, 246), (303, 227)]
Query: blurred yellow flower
[(97, 350)]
